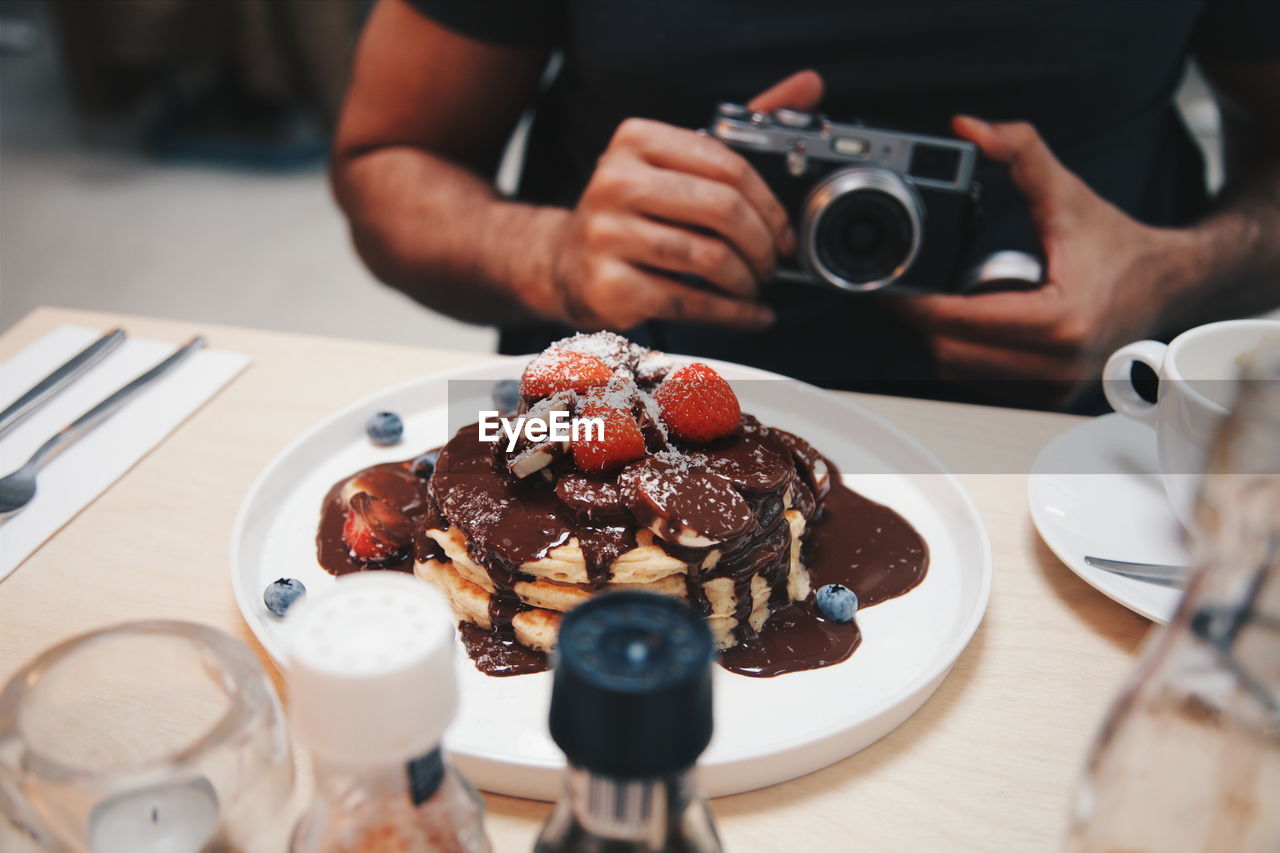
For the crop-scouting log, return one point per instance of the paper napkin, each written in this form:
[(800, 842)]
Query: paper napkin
[(82, 471)]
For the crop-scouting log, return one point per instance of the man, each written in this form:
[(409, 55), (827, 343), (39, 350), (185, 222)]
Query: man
[(622, 204)]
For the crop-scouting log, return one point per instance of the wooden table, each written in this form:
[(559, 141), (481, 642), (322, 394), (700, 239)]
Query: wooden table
[(989, 763)]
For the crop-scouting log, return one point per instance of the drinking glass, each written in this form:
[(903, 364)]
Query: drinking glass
[(148, 737), (1188, 758)]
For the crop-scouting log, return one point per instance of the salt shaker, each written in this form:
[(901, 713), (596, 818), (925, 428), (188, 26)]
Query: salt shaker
[(371, 691)]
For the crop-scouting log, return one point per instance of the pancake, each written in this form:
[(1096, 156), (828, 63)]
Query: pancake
[(515, 536), (474, 597)]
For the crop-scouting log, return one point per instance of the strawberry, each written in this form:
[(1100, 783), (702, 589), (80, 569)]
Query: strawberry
[(563, 370), (697, 404), (375, 530), (622, 440)]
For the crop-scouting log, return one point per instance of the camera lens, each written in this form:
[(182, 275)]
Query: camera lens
[(864, 236), (863, 229)]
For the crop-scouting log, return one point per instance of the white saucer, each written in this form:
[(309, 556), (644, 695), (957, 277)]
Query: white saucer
[(1096, 490)]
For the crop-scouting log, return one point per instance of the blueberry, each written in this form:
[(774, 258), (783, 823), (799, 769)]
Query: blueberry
[(385, 428), (837, 603), (506, 395), (425, 464), (282, 594)]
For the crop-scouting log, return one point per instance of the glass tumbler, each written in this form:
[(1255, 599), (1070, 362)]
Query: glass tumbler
[(147, 737)]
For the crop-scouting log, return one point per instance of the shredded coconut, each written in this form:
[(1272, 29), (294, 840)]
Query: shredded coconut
[(615, 351), (674, 460), (550, 364), (653, 414), (652, 366)]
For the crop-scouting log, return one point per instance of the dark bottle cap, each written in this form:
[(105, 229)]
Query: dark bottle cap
[(632, 691)]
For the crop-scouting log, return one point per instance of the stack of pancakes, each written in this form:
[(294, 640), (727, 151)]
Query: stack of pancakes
[(720, 525), (558, 582)]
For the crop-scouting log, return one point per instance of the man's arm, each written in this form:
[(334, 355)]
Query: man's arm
[(426, 115), (1235, 251)]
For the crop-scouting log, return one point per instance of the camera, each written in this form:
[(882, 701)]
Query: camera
[(872, 208)]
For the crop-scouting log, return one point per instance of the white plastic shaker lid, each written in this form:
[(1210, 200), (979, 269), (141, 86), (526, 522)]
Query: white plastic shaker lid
[(371, 669)]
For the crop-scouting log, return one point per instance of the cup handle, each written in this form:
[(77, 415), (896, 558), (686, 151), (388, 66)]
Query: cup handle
[(1117, 383)]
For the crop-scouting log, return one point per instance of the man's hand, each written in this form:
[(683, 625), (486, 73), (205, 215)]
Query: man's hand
[(1106, 281), (663, 204)]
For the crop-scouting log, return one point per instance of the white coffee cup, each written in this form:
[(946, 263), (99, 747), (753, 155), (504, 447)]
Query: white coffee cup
[(1197, 373)]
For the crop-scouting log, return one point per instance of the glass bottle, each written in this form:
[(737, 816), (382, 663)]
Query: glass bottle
[(631, 709), (371, 691), (1188, 759)]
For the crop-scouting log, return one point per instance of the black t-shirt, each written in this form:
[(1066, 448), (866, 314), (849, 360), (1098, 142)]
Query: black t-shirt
[(1096, 77)]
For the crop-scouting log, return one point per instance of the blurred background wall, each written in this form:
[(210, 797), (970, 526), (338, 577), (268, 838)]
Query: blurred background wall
[(165, 157), (171, 164)]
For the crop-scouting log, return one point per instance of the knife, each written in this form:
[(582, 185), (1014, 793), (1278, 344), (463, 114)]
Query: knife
[(71, 370)]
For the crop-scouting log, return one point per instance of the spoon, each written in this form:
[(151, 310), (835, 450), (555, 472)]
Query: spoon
[(17, 489), (1164, 575)]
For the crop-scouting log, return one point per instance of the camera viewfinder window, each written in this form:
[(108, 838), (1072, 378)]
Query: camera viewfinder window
[(934, 163), (850, 146)]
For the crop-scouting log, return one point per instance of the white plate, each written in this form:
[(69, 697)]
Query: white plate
[(1096, 490), (766, 730)]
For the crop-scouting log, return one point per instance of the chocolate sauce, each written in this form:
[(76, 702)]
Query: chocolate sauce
[(748, 463), (864, 545), (857, 542), (499, 655), (795, 639), (507, 521), (802, 499), (679, 497), (601, 546), (395, 483), (592, 499)]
